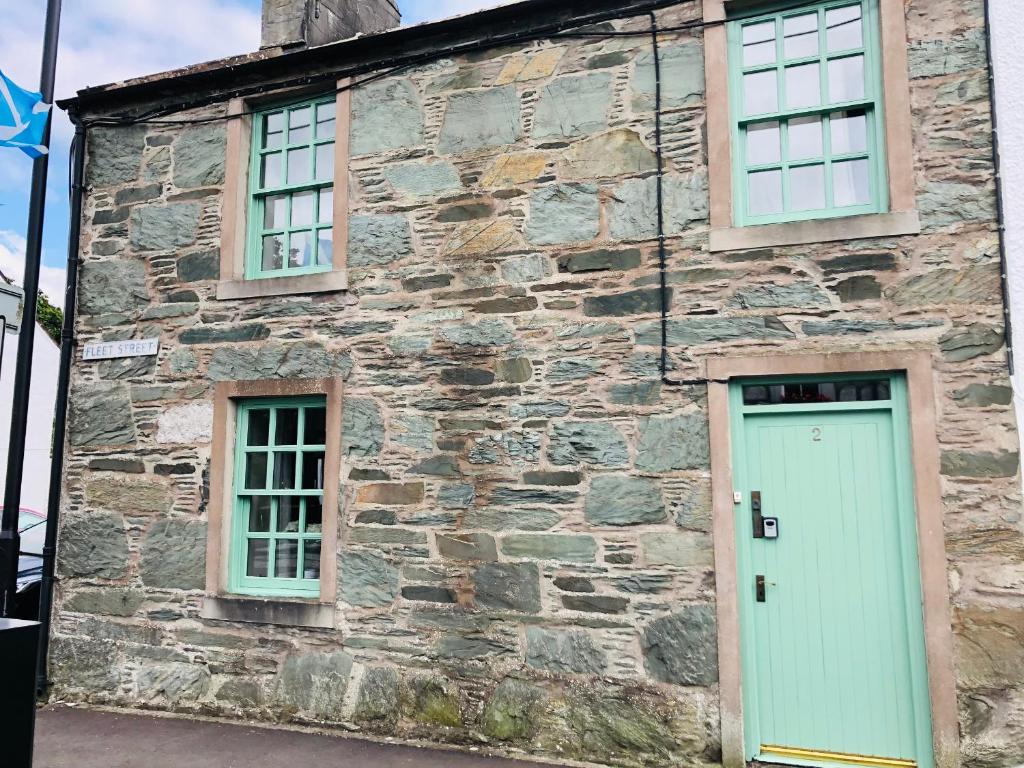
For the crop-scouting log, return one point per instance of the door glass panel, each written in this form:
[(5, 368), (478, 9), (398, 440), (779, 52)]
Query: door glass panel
[(801, 33), (763, 144), (760, 93), (765, 192), (849, 132), (816, 392), (759, 44), (851, 183), (807, 187), (805, 138), (844, 28), (846, 79), (803, 86)]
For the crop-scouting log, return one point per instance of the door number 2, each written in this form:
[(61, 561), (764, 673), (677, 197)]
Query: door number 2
[(816, 434)]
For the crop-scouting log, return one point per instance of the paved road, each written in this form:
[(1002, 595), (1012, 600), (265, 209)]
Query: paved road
[(81, 738)]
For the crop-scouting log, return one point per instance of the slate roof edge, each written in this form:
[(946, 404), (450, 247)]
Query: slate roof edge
[(363, 53)]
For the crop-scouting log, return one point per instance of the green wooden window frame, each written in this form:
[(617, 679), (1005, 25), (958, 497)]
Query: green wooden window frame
[(823, 152), (278, 485), (291, 190)]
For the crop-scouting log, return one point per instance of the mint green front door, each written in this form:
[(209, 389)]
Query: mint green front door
[(834, 666)]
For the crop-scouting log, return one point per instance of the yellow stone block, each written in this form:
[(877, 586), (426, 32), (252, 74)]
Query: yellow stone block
[(518, 168), (481, 237), (521, 68)]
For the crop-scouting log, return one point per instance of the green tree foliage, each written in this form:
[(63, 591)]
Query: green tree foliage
[(50, 317)]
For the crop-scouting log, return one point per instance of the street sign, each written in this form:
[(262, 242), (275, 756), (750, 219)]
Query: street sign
[(12, 300), (108, 350)]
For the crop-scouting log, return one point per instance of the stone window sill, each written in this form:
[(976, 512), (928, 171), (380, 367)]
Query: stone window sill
[(325, 282), (282, 612), (819, 231)]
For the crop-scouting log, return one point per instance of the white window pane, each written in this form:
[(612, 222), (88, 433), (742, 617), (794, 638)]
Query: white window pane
[(275, 122), (325, 121), (273, 253), (298, 166), (807, 187), (851, 183), (270, 174), (801, 35), (844, 28), (325, 162), (325, 247), (299, 129), (803, 86), (326, 210), (311, 560), (763, 144), (259, 514), (300, 254), (765, 194), (302, 209), (273, 131), (846, 79), (805, 138), (759, 44), (286, 559), (275, 212), (760, 93), (849, 132)]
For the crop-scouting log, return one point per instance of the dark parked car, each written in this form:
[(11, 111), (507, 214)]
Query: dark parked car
[(32, 527)]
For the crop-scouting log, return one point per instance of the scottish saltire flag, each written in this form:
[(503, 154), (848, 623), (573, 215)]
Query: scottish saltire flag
[(23, 117)]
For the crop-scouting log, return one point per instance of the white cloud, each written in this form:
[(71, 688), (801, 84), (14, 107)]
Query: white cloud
[(12, 264)]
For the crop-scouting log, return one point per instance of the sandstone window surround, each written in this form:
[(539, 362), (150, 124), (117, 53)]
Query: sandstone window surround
[(221, 602), (900, 218), (238, 230)]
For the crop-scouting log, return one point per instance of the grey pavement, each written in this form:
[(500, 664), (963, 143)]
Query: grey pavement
[(83, 738)]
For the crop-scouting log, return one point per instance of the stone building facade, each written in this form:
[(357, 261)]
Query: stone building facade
[(529, 551)]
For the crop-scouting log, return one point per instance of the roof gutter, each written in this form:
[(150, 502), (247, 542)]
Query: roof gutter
[(406, 46)]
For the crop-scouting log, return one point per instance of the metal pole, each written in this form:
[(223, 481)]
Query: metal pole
[(9, 540), (3, 339), (60, 411)]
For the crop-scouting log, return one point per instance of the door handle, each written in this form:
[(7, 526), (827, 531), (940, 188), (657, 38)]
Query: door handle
[(760, 588)]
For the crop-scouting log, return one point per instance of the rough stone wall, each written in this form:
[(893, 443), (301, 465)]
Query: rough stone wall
[(525, 555)]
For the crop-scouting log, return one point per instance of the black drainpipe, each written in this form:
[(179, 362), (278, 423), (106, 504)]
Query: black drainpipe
[(60, 418), (1000, 213)]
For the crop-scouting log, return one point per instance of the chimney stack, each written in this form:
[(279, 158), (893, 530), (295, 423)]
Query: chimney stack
[(318, 22)]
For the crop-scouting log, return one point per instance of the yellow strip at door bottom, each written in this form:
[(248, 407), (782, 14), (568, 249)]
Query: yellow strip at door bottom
[(837, 757)]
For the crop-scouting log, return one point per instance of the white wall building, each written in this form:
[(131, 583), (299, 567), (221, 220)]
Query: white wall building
[(1007, 25), (45, 365)]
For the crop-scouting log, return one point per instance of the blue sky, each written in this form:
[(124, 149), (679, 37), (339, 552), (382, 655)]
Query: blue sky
[(103, 42)]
